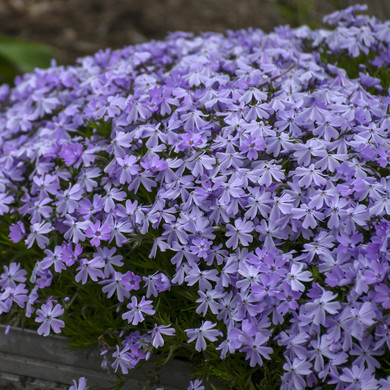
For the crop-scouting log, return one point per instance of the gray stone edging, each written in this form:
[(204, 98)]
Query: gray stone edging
[(37, 362)]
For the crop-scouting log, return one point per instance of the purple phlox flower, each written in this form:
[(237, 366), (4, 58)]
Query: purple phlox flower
[(251, 146), (270, 230), (336, 210), (157, 332), (326, 128), (43, 104), (82, 385), (118, 228), (132, 212), (68, 200), (240, 232), (88, 208), (207, 301), (267, 286), (190, 141), (349, 243), (5, 200), (154, 164), (295, 343), (358, 319), (39, 210), (54, 258), (384, 383), (200, 226), (295, 372), (281, 205), (250, 276), (365, 351), (193, 121), (321, 348), (351, 186), (331, 368), (15, 294), (17, 232), (47, 315), (310, 216), (119, 143), (86, 176), (72, 154), (376, 272), (329, 161), (258, 203), (137, 111), (70, 256), (162, 282), (89, 268), (358, 215), (231, 189), (296, 276), (320, 306), (255, 350), (384, 157), (128, 168), (383, 295), (320, 247), (200, 247), (107, 256), (143, 178), (267, 172), (115, 285), (11, 275), (205, 331), (150, 284), (195, 274), (98, 232), (196, 385), (130, 281), (309, 176), (111, 195), (304, 154), (382, 334), (123, 359), (37, 233), (76, 229), (135, 314), (359, 378), (231, 158)]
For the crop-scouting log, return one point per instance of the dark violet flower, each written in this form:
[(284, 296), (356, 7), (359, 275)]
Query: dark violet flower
[(17, 232)]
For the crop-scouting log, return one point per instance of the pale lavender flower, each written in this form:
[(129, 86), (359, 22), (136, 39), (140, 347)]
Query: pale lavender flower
[(47, 316), (205, 331)]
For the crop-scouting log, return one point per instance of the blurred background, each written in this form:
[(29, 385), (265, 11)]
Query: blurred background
[(74, 28)]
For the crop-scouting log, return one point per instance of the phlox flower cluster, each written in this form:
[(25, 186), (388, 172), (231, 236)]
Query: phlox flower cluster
[(252, 161)]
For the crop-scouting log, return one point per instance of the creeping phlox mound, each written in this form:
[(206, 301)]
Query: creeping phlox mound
[(224, 193)]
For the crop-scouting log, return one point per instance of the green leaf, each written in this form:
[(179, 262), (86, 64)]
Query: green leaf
[(24, 54)]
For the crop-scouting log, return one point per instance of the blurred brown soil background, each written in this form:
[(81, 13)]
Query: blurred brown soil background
[(80, 27)]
